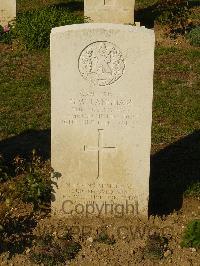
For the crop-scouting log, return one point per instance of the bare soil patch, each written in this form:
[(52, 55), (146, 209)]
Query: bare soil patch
[(134, 242)]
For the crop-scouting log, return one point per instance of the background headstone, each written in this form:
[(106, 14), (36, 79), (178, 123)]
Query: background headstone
[(110, 11), (7, 11), (102, 89)]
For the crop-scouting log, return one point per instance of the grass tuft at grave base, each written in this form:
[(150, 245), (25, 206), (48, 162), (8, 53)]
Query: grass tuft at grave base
[(25, 186)]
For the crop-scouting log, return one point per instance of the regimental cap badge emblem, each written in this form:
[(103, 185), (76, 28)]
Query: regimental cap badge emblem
[(101, 63)]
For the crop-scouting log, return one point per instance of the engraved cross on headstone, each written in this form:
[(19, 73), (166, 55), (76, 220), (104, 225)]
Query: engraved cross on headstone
[(99, 149)]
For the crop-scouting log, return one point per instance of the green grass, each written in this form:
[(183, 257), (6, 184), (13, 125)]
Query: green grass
[(194, 36), (191, 237), (176, 94), (194, 54), (24, 5), (193, 190), (25, 105), (25, 91), (139, 4)]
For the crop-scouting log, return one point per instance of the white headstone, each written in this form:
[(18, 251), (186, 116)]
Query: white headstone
[(102, 89), (7, 11), (110, 11)]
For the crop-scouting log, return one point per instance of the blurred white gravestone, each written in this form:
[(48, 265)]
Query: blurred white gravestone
[(110, 11), (7, 11), (102, 90)]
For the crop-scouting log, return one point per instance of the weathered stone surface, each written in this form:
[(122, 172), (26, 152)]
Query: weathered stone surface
[(7, 11), (102, 89), (110, 11)]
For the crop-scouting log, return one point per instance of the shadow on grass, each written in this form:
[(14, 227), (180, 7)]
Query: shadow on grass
[(72, 6), (173, 170), (22, 145), (193, 3), (147, 16)]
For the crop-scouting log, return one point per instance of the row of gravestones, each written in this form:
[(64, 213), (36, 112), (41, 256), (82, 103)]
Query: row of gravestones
[(111, 11), (102, 90)]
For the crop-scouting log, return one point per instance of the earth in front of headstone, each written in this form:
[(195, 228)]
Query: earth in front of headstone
[(101, 63)]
